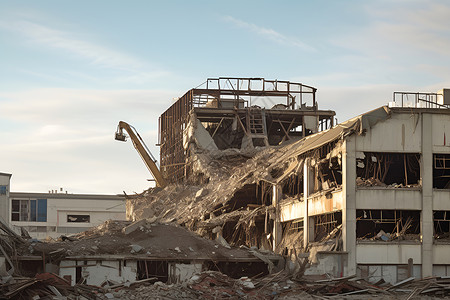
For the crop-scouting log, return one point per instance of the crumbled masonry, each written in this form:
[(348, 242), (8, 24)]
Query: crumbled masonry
[(236, 202)]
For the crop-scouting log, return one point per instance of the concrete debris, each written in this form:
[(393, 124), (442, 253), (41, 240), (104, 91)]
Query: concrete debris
[(207, 284), (136, 248), (215, 285), (383, 236), (223, 242), (221, 233), (201, 193), (163, 241), (246, 283), (134, 226)]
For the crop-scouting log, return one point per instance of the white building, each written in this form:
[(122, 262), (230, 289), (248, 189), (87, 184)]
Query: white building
[(389, 170), (55, 214)]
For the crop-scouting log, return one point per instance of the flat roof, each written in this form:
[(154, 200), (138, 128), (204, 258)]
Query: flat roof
[(66, 196), (412, 110)]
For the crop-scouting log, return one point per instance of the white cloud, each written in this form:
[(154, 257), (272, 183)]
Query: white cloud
[(269, 34), (401, 33), (65, 138), (73, 105), (350, 101), (401, 46)]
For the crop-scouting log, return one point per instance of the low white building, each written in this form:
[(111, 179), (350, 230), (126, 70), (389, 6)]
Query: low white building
[(47, 214), (55, 214)]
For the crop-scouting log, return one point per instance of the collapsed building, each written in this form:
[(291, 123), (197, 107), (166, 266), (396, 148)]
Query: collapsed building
[(369, 196)]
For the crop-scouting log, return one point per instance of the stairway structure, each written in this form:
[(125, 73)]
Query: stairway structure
[(256, 125)]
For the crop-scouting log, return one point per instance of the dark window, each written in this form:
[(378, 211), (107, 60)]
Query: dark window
[(29, 210), (78, 218), (33, 210), (441, 171), (42, 210), (388, 169), (148, 269), (3, 189), (15, 210), (387, 225), (441, 219)]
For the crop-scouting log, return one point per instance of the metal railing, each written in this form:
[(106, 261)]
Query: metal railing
[(417, 100)]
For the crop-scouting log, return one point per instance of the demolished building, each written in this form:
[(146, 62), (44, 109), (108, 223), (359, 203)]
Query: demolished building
[(366, 198), (369, 196), (231, 113)]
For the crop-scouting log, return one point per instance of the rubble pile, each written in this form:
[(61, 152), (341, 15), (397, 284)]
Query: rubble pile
[(370, 182), (140, 238), (46, 286), (205, 284), (182, 203), (202, 208), (215, 285)]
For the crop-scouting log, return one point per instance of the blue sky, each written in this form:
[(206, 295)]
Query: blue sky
[(71, 70)]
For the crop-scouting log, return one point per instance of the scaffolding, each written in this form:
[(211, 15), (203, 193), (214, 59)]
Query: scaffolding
[(252, 101)]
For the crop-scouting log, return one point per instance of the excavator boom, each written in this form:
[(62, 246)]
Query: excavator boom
[(143, 151)]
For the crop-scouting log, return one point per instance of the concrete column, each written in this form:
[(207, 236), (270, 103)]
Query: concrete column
[(306, 179), (349, 204), (426, 218), (277, 194)]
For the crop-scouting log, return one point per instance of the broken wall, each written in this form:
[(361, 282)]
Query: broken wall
[(332, 263), (180, 272), (95, 272), (389, 273)]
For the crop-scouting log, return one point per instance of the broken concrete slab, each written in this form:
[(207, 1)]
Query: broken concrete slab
[(136, 248), (134, 226), (201, 192)]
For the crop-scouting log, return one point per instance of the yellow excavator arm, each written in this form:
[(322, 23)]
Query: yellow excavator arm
[(142, 149)]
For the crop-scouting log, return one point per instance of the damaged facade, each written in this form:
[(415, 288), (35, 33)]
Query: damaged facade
[(368, 196)]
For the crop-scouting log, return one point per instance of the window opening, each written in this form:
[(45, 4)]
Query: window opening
[(388, 169), (78, 218), (326, 224), (148, 269), (387, 225), (441, 220), (441, 171)]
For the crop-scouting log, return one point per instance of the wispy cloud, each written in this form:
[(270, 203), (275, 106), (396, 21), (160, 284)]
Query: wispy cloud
[(66, 41), (395, 42), (269, 34), (81, 46)]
